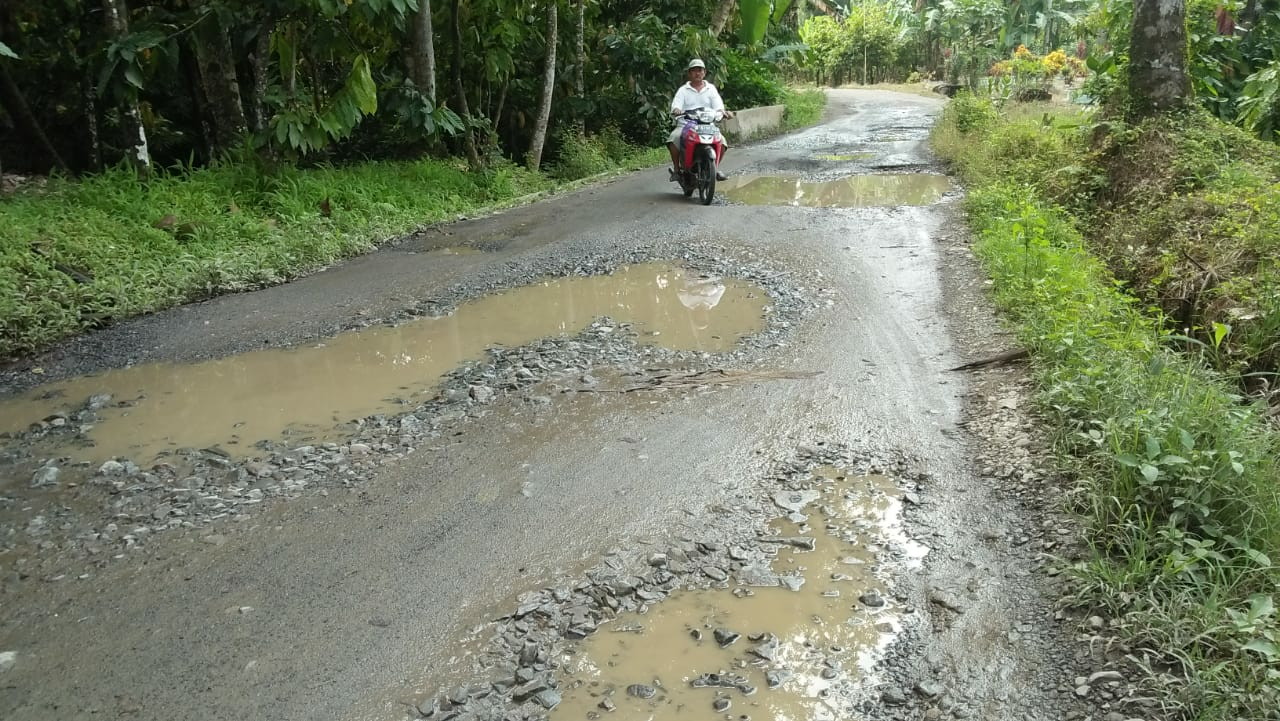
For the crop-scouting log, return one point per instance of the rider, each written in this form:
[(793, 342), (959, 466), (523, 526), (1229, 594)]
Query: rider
[(697, 93)]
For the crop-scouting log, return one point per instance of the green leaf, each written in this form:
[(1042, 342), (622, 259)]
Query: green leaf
[(1150, 472), (754, 15), (6, 52), (1153, 448), (1261, 605), (1238, 467), (1172, 460), (363, 89), (1127, 459), (1188, 441), (133, 75), (1264, 647)]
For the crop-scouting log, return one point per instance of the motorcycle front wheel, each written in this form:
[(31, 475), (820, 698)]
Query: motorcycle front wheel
[(707, 175)]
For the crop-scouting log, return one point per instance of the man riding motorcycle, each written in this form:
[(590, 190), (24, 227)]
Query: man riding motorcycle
[(697, 93)]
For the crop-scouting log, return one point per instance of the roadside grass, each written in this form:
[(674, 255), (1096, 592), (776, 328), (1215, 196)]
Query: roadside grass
[(803, 107), (1177, 473), (80, 254)]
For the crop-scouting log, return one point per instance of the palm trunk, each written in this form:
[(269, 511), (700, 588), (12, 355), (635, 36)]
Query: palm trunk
[(548, 89), (221, 87), (720, 17), (580, 58), (468, 137), (1158, 80), (423, 52), (135, 134)]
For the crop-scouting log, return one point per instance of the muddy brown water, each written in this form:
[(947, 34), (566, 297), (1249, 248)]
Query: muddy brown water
[(827, 640), (847, 157), (236, 401), (857, 191)]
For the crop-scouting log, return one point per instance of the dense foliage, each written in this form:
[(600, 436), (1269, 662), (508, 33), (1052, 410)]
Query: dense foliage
[(347, 79)]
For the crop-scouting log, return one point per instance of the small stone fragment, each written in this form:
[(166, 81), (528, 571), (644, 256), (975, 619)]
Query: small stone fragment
[(641, 690)]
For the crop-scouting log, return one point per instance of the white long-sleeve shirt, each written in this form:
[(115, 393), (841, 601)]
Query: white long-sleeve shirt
[(708, 97)]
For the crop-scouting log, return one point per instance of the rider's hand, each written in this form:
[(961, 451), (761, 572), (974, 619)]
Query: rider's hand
[(728, 114)]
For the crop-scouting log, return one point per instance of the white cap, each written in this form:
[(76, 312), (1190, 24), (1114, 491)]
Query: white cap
[(696, 63)]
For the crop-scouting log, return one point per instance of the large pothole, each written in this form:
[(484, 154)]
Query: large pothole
[(788, 625), (855, 191), (146, 411)]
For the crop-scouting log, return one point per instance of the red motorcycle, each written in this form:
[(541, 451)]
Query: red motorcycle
[(701, 150)]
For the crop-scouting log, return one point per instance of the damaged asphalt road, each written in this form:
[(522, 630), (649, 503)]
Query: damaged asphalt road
[(451, 554)]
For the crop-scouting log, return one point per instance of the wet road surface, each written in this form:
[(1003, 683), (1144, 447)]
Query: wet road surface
[(349, 603)]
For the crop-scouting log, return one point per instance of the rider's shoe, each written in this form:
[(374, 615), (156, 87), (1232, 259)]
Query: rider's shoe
[(672, 175), (721, 176)]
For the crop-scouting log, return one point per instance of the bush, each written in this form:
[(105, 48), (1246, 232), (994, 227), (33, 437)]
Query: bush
[(747, 83), (579, 156)]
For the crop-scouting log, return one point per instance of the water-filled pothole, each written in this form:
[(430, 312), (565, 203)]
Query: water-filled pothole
[(845, 158), (804, 650), (238, 400), (856, 191)]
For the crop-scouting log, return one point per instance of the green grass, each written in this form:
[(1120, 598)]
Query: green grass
[(803, 107), (1177, 473), (76, 254)]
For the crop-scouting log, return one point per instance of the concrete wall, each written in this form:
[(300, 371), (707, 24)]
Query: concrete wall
[(750, 122)]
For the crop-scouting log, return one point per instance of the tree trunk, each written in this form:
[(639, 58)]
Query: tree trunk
[(548, 89), (86, 46), (199, 100), (468, 137), (135, 134), (720, 17), (16, 104), (1158, 80), (579, 50), (259, 59), (423, 52), (221, 88), (580, 60)]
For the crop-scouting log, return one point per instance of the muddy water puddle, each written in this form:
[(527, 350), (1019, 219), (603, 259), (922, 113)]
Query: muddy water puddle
[(845, 158), (233, 402), (768, 653), (857, 191)]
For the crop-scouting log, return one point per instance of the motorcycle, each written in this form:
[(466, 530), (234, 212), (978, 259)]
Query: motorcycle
[(701, 150)]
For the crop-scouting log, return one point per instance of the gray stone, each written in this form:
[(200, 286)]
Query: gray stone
[(481, 394), (8, 659), (607, 704), (871, 599), (776, 678), (641, 690), (1104, 677), (930, 689), (725, 637), (45, 476), (548, 699), (715, 573), (893, 696), (721, 704)]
